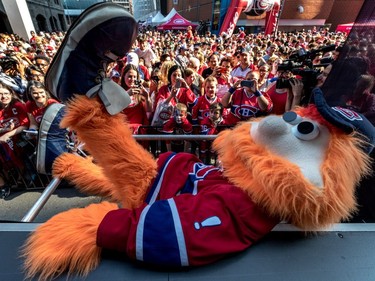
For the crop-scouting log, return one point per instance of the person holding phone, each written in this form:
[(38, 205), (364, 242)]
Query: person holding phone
[(245, 100), (141, 104), (177, 90)]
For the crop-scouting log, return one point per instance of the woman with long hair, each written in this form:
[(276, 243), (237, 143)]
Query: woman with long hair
[(140, 107), (38, 100), (176, 91)]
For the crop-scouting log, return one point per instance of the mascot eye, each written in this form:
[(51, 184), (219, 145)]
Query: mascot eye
[(306, 130), (292, 118)]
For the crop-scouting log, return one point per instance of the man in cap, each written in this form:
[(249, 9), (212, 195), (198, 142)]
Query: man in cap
[(241, 33), (243, 67), (182, 58)]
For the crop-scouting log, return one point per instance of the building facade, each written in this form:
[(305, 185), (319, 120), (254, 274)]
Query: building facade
[(145, 9), (46, 15), (56, 15), (294, 14)]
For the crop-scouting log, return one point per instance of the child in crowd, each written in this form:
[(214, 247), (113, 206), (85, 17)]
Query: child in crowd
[(201, 108), (178, 124), (210, 125)]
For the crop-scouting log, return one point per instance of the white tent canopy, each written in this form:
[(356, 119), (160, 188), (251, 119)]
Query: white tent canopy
[(170, 15), (158, 18)]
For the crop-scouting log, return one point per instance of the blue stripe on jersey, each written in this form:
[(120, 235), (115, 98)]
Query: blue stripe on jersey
[(163, 241), (155, 188)]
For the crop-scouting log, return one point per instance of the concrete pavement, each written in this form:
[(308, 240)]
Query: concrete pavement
[(14, 207)]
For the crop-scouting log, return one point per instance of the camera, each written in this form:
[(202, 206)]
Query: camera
[(155, 78), (283, 83), (178, 83), (247, 83), (300, 64)]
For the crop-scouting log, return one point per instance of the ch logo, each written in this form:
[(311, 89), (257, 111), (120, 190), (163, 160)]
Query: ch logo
[(211, 221), (348, 114)]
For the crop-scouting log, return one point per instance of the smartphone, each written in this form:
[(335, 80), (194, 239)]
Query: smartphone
[(178, 84), (247, 83)]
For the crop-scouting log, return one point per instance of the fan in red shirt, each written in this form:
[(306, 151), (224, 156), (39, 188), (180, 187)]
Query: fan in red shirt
[(38, 100), (177, 91), (201, 108), (140, 106), (210, 125), (246, 101), (13, 120), (178, 125)]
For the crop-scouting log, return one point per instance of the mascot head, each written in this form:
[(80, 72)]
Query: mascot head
[(302, 167)]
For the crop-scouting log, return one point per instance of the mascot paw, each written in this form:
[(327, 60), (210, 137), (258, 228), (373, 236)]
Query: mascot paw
[(84, 112), (65, 165), (66, 243)]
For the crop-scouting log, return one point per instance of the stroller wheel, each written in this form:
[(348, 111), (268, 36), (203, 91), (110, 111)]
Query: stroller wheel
[(5, 191)]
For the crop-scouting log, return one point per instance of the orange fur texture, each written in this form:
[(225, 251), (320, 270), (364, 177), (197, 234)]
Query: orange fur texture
[(108, 139), (124, 171), (279, 186), (66, 243), (87, 177)]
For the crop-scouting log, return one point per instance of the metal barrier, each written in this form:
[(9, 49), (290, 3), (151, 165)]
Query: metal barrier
[(175, 137), (50, 189)]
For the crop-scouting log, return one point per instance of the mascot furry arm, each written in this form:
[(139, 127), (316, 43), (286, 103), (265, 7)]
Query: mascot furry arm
[(177, 211)]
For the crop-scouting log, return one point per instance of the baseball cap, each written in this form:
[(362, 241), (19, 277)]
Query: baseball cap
[(347, 120), (132, 58)]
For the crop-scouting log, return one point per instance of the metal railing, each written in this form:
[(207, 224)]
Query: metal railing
[(51, 187)]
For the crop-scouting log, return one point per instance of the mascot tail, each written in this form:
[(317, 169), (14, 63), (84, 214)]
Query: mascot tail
[(66, 243)]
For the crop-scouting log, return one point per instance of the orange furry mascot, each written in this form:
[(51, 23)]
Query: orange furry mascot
[(301, 167), (185, 213)]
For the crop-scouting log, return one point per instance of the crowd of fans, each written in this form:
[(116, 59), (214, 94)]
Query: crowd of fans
[(184, 83)]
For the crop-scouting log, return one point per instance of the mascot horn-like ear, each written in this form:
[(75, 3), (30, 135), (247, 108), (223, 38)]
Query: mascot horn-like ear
[(101, 35)]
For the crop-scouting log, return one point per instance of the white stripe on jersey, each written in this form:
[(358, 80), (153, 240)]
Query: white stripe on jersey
[(179, 233), (157, 189), (139, 235)]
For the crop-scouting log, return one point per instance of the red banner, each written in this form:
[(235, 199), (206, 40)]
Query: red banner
[(272, 21), (233, 13), (252, 8)]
